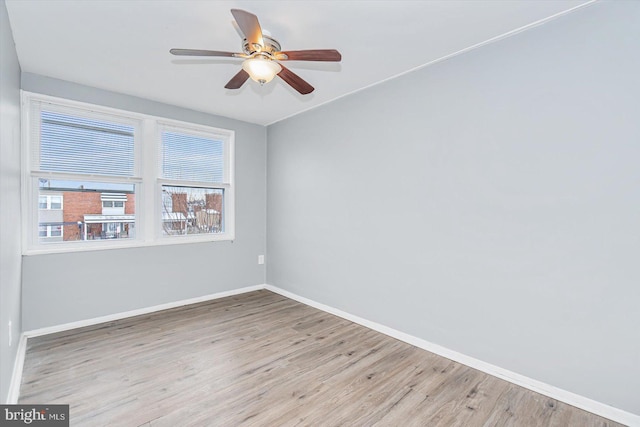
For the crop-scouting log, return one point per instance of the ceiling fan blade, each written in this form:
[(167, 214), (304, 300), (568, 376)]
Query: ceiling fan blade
[(238, 80), (330, 55), (248, 23), (198, 52), (295, 81)]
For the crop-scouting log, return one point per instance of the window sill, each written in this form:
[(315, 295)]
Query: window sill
[(104, 246)]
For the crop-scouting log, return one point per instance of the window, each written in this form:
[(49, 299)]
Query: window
[(195, 177), (48, 230), (55, 202), (85, 185), (191, 210), (112, 204), (49, 202), (75, 155)]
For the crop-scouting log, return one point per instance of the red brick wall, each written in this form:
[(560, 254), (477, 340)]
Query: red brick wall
[(75, 206), (179, 202), (130, 205), (214, 201)]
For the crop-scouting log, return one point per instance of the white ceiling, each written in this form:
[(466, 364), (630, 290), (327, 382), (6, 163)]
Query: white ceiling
[(123, 46)]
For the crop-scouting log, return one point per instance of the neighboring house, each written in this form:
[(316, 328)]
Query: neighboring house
[(191, 212), (85, 215), (91, 215), (114, 222)]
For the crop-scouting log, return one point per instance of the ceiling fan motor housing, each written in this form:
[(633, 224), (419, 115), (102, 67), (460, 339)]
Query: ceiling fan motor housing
[(270, 46)]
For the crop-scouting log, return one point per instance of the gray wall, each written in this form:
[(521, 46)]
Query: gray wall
[(489, 203), (10, 248), (97, 283)]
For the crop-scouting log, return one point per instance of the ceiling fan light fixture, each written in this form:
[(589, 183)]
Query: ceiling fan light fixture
[(262, 53), (260, 69)]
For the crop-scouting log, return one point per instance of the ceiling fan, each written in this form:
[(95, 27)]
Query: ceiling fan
[(262, 54)]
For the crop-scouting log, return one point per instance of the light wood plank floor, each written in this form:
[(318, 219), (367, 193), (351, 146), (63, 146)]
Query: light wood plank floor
[(260, 359)]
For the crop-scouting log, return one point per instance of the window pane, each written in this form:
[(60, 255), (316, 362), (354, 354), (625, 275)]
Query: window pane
[(188, 210), (192, 158), (42, 202), (56, 230), (82, 145), (81, 215), (56, 202)]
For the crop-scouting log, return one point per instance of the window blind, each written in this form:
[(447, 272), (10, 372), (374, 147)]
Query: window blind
[(88, 146), (192, 158)]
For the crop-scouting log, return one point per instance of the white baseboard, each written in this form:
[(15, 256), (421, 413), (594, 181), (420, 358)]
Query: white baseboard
[(16, 376), (138, 312), (559, 394)]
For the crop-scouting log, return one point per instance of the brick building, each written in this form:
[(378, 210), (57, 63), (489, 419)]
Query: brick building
[(91, 215), (191, 213), (85, 215)]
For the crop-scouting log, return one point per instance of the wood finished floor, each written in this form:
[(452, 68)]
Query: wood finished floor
[(260, 359)]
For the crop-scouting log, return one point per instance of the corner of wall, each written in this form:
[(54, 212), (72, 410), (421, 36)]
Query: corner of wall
[(10, 239)]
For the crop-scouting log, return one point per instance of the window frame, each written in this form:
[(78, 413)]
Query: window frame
[(228, 203), (147, 177)]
